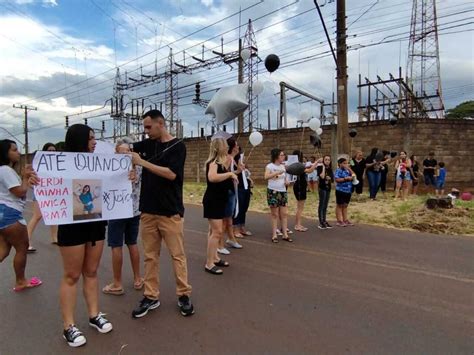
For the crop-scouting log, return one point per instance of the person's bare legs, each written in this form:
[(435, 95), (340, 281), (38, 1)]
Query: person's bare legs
[(117, 262), (53, 232), (135, 262), (274, 216), (73, 260), (397, 188), (33, 222), (214, 236), (5, 247), (344, 212), (283, 210), (299, 212), (339, 214), (229, 229), (89, 273)]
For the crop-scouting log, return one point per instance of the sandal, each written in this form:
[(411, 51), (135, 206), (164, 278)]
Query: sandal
[(247, 233), (214, 270), (109, 290), (238, 235), (275, 240), (222, 263), (33, 282), (300, 229), (139, 284), (287, 239), (31, 250)]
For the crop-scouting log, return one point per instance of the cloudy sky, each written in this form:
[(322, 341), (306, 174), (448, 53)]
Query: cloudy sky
[(61, 56)]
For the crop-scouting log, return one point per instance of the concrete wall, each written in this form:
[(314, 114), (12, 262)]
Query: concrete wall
[(451, 140)]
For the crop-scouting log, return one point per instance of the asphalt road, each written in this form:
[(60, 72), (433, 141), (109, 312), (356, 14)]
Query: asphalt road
[(347, 290)]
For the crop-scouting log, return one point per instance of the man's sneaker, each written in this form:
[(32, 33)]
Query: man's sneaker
[(223, 251), (348, 223), (233, 244), (101, 323), (145, 305), (340, 224), (74, 336), (322, 226), (328, 226), (185, 306)]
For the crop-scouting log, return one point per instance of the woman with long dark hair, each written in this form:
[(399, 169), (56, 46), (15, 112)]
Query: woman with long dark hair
[(326, 178), (373, 165), (34, 220), (13, 232), (81, 248)]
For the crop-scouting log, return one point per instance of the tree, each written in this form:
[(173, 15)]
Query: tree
[(464, 110)]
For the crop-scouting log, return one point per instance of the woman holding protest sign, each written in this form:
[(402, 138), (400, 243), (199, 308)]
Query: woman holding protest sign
[(33, 222), (81, 248), (13, 232)]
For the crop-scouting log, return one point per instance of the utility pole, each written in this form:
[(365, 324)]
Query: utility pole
[(240, 118), (342, 115), (25, 123)]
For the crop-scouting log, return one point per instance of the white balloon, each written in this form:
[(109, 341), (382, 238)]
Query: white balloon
[(314, 124), (319, 131), (304, 115), (245, 54), (255, 138), (257, 88), (228, 103)]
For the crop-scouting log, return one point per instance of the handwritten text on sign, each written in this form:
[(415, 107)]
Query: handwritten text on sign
[(83, 187)]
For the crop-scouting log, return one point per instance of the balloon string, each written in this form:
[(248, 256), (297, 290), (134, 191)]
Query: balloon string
[(248, 157)]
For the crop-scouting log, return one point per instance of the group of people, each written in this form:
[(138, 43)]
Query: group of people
[(406, 172), (158, 214), (157, 187)]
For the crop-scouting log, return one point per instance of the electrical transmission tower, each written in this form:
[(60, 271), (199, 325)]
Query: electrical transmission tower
[(251, 76), (423, 58), (117, 107), (171, 95)]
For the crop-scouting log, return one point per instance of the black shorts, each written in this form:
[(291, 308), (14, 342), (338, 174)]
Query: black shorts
[(81, 233), (343, 198)]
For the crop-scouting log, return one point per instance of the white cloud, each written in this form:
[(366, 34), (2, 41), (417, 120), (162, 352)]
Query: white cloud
[(50, 3), (207, 3)]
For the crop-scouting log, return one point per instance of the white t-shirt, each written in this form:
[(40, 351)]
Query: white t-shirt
[(9, 179), (277, 183)]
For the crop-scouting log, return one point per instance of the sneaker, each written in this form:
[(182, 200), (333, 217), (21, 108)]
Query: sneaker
[(328, 226), (348, 223), (74, 337), (278, 232), (223, 251), (322, 226), (233, 244), (185, 306), (101, 323), (145, 305), (340, 224), (288, 231)]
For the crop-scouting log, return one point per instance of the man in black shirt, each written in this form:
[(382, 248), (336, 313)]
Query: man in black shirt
[(162, 157), (429, 166)]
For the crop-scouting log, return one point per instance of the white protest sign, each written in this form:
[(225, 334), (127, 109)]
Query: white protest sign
[(83, 187)]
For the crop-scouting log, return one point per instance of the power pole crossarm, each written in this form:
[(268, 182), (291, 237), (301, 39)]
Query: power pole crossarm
[(25, 123)]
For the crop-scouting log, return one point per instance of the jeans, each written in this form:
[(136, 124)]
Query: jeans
[(244, 202), (154, 229), (323, 204), (374, 182)]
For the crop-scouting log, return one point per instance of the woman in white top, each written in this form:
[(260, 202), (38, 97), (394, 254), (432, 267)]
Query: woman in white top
[(13, 232), (277, 195)]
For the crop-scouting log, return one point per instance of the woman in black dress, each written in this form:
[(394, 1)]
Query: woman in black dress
[(219, 182)]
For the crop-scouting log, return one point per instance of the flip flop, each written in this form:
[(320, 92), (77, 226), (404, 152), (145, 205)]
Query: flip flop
[(139, 285), (33, 282), (247, 233), (214, 270), (288, 240), (109, 290), (238, 235), (274, 240), (222, 263), (301, 229)]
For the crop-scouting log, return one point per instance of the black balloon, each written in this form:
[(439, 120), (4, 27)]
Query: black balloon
[(379, 156), (295, 169), (353, 132), (393, 121), (315, 140), (272, 62), (393, 154)]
